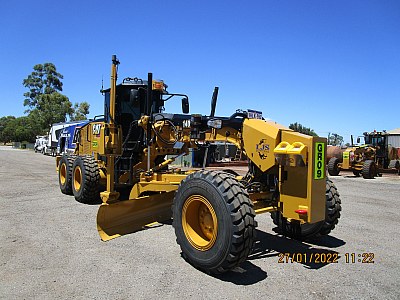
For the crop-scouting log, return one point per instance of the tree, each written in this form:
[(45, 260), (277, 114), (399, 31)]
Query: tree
[(43, 80), (21, 129), (80, 111), (52, 108), (46, 104), (300, 128), (6, 135), (334, 139)]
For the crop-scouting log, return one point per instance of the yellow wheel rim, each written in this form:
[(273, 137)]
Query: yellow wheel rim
[(199, 222), (63, 173), (77, 178)]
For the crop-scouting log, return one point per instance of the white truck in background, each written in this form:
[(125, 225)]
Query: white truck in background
[(40, 143), (54, 134)]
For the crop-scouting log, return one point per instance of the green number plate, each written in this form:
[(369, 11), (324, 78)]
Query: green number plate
[(319, 163)]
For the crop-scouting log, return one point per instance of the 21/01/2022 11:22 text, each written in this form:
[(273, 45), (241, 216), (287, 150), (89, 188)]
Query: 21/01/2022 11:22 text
[(326, 258)]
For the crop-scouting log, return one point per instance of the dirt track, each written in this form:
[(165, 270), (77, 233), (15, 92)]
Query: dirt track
[(50, 248)]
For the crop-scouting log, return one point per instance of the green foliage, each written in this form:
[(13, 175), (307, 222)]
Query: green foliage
[(52, 108), (300, 128), (6, 135), (46, 106), (80, 111), (43, 80), (334, 139), (20, 129)]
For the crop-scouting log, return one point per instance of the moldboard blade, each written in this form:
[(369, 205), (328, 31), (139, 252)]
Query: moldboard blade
[(124, 217)]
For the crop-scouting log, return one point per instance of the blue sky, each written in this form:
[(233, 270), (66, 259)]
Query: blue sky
[(333, 66)]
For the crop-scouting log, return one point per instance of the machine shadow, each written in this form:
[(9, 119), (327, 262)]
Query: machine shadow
[(280, 249), (246, 274), (94, 203), (276, 246), (286, 250)]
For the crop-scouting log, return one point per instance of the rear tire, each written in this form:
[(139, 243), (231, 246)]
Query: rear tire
[(309, 231), (85, 180), (333, 166), (213, 218), (356, 173), (369, 169), (65, 174)]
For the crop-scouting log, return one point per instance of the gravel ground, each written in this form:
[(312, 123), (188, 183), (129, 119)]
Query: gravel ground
[(50, 248)]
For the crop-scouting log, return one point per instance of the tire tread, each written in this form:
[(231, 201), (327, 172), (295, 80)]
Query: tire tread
[(241, 214), (90, 171), (332, 216)]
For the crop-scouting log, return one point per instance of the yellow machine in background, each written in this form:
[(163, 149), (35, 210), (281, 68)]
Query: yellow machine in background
[(369, 160), (120, 162)]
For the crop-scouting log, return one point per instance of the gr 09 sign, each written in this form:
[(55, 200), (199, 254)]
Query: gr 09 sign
[(319, 163)]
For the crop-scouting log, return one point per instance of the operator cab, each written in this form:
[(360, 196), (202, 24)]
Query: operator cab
[(131, 103), (375, 139), (378, 140)]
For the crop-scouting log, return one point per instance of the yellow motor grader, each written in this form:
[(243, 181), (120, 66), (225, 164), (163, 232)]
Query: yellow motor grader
[(121, 161), (369, 160)]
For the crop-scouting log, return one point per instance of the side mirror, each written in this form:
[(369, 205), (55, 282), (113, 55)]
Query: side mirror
[(185, 105), (133, 96), (358, 140)]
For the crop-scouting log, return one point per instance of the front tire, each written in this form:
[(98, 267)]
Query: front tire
[(333, 166), (85, 180), (313, 230), (213, 218), (369, 169)]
